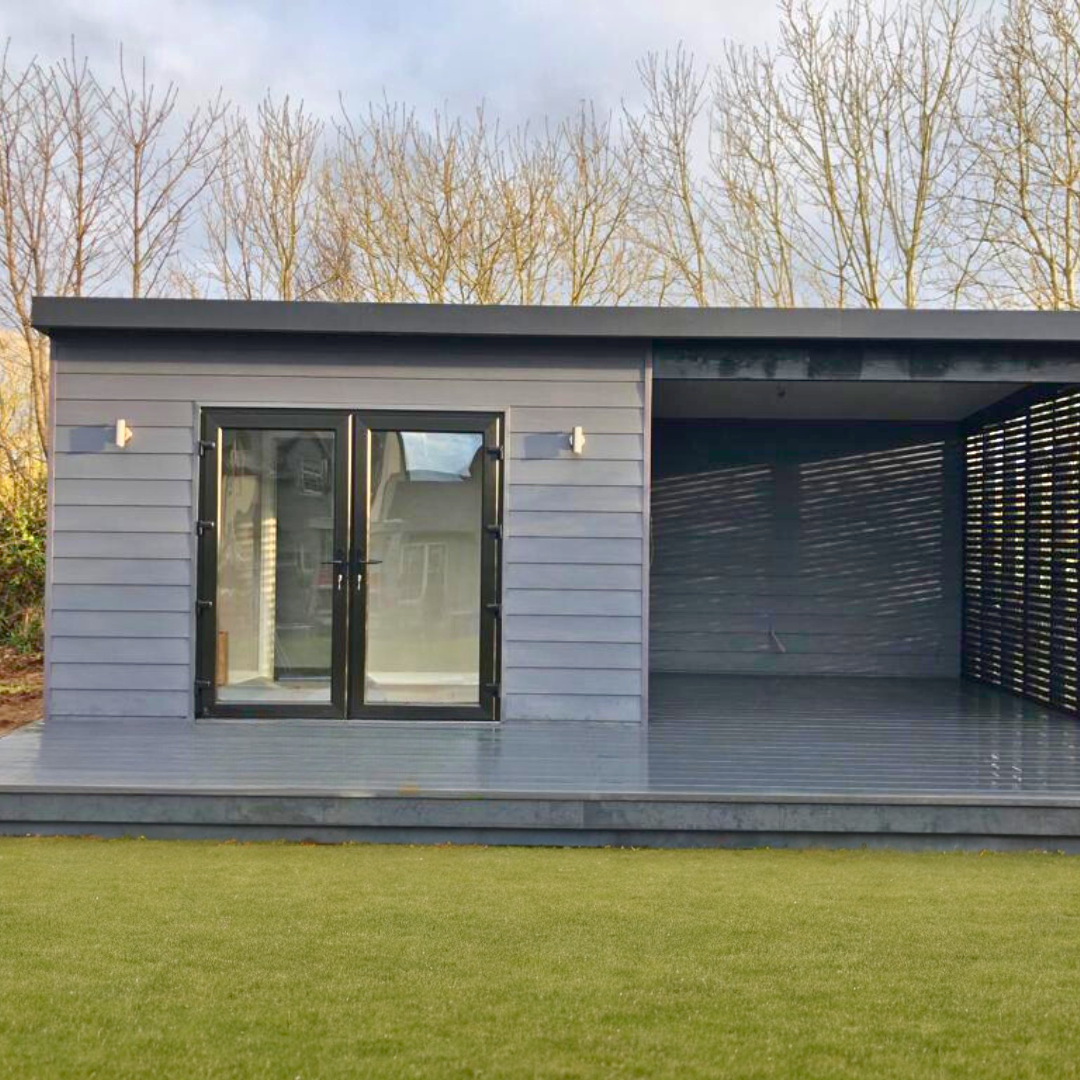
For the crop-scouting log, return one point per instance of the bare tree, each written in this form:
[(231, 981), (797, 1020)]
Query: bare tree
[(671, 215), (56, 156), (926, 77), (591, 208), (524, 171), (857, 126), (262, 204), (1030, 162), (161, 174), (753, 191)]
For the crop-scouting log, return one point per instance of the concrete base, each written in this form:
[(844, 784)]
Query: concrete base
[(923, 824)]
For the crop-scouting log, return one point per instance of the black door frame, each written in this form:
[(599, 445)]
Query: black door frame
[(207, 527), (352, 430), (489, 426)]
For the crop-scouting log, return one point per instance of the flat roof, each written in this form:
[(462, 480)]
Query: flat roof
[(55, 314)]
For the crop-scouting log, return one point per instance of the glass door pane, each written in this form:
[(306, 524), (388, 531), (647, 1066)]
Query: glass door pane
[(424, 554), (278, 536)]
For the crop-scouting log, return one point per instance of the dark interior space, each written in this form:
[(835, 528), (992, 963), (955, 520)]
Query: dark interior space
[(838, 532), (806, 548)]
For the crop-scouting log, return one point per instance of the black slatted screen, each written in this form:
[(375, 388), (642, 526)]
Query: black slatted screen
[(1021, 552)]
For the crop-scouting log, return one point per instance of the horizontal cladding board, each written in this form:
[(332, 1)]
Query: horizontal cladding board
[(579, 472), (571, 602), (835, 619), (549, 367), (687, 608), (933, 666), (570, 576), (101, 439), (119, 492), (548, 655), (823, 641), (902, 588), (84, 718), (585, 628), (394, 393), (125, 466), (88, 650), (140, 414), (555, 445), (143, 519), (122, 571), (595, 421), (400, 352), (579, 497), (543, 420), (907, 566), (120, 677), (573, 707), (121, 598), (572, 681), (527, 549), (106, 703), (123, 545), (580, 524), (146, 624)]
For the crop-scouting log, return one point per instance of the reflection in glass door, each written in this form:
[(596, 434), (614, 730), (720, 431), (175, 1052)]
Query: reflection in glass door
[(306, 609), (425, 589), (278, 595)]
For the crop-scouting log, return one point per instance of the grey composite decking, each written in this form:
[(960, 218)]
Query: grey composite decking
[(936, 762), (122, 550)]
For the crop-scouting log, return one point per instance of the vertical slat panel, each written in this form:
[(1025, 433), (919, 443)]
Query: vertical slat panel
[(1022, 552)]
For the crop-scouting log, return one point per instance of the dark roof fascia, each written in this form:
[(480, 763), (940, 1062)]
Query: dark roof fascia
[(55, 315)]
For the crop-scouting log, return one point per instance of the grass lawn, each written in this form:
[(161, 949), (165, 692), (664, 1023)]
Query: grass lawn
[(135, 958)]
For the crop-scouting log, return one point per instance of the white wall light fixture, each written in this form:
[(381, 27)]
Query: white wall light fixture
[(577, 441), (123, 433)]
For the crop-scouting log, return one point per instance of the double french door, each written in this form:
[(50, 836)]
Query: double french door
[(349, 564)]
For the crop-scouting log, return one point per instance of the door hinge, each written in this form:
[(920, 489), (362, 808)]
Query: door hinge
[(202, 526), (201, 687), (495, 452), (495, 609), (494, 689), (205, 446), (203, 605), (495, 530)]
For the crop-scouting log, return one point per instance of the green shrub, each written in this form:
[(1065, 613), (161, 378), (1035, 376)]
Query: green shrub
[(22, 563)]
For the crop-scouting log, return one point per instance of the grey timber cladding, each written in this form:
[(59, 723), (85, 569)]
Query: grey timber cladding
[(122, 558), (806, 548)]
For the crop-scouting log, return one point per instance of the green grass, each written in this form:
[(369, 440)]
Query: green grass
[(134, 958)]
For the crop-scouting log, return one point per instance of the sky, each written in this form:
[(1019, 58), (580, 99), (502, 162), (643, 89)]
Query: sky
[(526, 59)]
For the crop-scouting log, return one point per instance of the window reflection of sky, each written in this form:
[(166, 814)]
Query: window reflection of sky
[(439, 455)]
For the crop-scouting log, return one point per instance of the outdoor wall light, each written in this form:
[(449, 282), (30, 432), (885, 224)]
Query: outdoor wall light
[(123, 433), (577, 440)]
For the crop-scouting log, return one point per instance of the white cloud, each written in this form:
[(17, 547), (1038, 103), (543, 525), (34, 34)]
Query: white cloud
[(526, 59)]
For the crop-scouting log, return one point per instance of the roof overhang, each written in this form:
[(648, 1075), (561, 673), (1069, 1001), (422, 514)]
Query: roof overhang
[(54, 315)]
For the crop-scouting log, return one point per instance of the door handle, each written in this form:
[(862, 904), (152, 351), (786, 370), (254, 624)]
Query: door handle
[(341, 565), (357, 563)]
